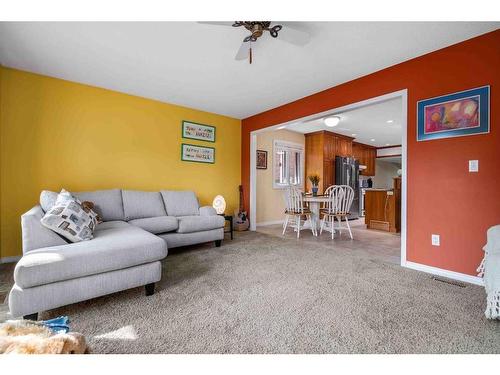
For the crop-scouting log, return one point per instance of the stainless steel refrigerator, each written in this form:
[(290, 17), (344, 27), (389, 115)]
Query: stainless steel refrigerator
[(347, 173)]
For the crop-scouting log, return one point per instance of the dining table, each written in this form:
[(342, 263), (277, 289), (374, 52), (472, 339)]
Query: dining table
[(315, 202)]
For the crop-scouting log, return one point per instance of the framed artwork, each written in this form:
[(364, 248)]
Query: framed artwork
[(261, 159), (454, 115), (200, 132), (197, 154)]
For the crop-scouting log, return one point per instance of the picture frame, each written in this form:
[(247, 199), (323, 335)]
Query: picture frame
[(197, 154), (454, 115), (199, 132), (261, 159)]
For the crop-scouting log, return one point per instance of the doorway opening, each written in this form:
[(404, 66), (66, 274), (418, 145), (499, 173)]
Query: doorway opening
[(370, 134)]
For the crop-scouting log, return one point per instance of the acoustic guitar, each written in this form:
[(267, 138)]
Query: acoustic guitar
[(241, 221)]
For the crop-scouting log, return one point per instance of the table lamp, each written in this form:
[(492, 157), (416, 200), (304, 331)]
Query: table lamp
[(219, 204)]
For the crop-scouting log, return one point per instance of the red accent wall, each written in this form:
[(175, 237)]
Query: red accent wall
[(443, 197)]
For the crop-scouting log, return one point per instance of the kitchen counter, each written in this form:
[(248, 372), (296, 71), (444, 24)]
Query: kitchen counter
[(383, 208)]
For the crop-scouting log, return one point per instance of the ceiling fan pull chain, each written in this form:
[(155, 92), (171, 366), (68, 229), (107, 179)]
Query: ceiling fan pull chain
[(250, 55)]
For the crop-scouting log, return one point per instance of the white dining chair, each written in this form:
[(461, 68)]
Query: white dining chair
[(338, 205), (295, 211), (327, 194)]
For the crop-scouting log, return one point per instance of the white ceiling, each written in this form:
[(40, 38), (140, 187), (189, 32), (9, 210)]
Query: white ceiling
[(193, 64), (367, 124)]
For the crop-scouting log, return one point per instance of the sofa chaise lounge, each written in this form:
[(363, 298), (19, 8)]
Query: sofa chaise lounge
[(138, 227)]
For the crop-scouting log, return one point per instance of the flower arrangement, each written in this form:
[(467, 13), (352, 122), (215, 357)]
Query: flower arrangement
[(314, 178)]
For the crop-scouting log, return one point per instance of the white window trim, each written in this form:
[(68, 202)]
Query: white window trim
[(277, 143)]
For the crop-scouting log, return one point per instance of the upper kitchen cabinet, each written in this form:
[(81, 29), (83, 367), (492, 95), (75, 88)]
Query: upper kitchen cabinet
[(343, 146), (366, 156), (321, 149)]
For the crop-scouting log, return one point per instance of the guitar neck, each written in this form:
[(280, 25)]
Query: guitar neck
[(241, 198)]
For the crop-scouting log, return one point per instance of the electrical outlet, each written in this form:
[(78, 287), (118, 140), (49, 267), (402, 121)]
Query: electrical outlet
[(435, 239), (473, 165)]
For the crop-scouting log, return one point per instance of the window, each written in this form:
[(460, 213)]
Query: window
[(288, 164)]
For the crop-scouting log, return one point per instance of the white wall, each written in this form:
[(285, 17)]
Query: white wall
[(384, 173)]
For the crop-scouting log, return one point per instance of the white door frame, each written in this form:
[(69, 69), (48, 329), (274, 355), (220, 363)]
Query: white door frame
[(403, 94)]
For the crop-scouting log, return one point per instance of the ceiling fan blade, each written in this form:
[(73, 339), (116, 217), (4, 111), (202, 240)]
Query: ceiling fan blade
[(294, 36), (242, 53), (216, 23)]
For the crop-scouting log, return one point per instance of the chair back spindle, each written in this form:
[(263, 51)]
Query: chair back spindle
[(293, 200), (340, 200)]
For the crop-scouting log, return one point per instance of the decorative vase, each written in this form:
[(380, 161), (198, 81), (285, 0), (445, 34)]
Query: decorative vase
[(315, 191)]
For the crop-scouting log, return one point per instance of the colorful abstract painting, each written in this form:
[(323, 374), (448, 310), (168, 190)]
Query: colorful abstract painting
[(459, 114)]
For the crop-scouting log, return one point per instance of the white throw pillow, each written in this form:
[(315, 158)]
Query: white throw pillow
[(68, 218)]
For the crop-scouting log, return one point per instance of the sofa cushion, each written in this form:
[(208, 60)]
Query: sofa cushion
[(111, 249), (190, 224), (180, 203), (141, 204), (107, 203), (112, 225), (160, 224), (48, 199)]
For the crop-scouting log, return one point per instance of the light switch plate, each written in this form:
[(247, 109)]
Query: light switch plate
[(473, 165), (435, 239)]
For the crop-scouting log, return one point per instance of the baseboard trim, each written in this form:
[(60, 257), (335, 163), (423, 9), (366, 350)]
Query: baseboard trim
[(10, 259), (445, 273), (264, 223)]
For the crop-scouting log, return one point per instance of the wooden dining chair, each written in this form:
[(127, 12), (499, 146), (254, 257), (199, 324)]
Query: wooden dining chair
[(337, 206), (296, 212)]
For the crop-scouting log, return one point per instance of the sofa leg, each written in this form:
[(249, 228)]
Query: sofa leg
[(218, 243), (150, 289), (31, 317)]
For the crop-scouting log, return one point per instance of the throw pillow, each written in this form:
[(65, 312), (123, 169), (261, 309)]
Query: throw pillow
[(68, 218), (87, 206)]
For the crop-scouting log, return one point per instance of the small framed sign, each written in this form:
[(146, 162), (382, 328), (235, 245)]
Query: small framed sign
[(197, 154), (261, 159), (200, 132)]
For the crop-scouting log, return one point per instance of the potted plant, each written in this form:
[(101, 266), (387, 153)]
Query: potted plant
[(314, 178)]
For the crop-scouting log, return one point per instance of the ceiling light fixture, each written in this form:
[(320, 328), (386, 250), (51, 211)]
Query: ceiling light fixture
[(390, 121), (354, 134), (373, 139), (281, 127), (332, 121)]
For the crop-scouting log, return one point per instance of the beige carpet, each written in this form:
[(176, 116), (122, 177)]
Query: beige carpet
[(265, 294)]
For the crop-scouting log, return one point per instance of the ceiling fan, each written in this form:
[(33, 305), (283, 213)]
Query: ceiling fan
[(285, 32)]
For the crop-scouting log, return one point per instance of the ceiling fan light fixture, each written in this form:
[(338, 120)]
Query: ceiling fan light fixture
[(332, 121)]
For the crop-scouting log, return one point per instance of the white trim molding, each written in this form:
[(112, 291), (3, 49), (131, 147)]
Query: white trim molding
[(9, 259), (253, 181), (445, 273)]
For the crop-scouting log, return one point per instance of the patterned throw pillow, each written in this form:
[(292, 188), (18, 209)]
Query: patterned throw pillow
[(69, 219)]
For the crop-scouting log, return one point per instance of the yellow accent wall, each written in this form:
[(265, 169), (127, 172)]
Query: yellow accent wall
[(58, 134)]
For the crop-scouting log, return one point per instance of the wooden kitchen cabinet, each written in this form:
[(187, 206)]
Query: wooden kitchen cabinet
[(383, 208), (366, 155), (343, 147), (321, 148)]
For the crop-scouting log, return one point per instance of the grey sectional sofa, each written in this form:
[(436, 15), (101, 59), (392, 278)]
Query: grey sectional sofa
[(138, 227)]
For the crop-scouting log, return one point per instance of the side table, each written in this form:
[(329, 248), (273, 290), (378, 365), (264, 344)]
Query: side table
[(230, 219)]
